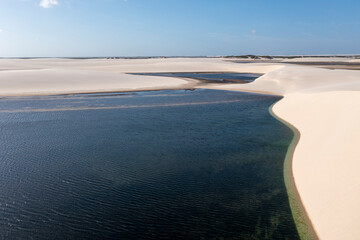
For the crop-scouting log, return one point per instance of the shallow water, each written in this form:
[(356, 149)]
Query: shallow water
[(198, 164)]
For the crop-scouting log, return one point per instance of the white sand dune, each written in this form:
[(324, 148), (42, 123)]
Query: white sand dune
[(62, 81), (60, 76), (324, 105), (326, 161)]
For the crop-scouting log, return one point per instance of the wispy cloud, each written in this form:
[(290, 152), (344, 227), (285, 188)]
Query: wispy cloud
[(48, 3), (253, 31), (1, 30)]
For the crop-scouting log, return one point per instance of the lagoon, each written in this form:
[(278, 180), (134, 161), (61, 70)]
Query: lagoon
[(201, 164)]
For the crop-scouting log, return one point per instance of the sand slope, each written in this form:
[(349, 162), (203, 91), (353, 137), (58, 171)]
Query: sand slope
[(326, 161), (324, 105)]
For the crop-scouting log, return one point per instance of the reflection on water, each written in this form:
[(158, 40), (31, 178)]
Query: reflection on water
[(172, 170)]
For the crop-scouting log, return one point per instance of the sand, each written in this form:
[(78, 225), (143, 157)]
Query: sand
[(323, 104), (66, 76), (326, 160), (65, 81)]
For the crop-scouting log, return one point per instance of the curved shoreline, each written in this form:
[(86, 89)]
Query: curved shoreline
[(324, 106), (303, 223)]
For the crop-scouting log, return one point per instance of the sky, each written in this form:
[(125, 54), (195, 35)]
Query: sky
[(99, 28)]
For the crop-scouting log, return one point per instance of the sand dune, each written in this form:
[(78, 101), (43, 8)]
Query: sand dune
[(60, 76), (324, 105), (62, 81), (326, 160)]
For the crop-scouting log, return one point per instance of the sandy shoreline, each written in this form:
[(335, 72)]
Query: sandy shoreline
[(322, 104), (303, 223)]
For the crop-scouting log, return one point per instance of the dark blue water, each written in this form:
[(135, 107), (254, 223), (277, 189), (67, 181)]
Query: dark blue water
[(211, 77), (198, 164)]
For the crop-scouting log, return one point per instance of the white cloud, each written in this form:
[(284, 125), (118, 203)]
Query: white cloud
[(1, 30), (48, 3), (253, 31)]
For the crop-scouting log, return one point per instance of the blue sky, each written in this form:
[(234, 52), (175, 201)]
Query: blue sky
[(80, 28)]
